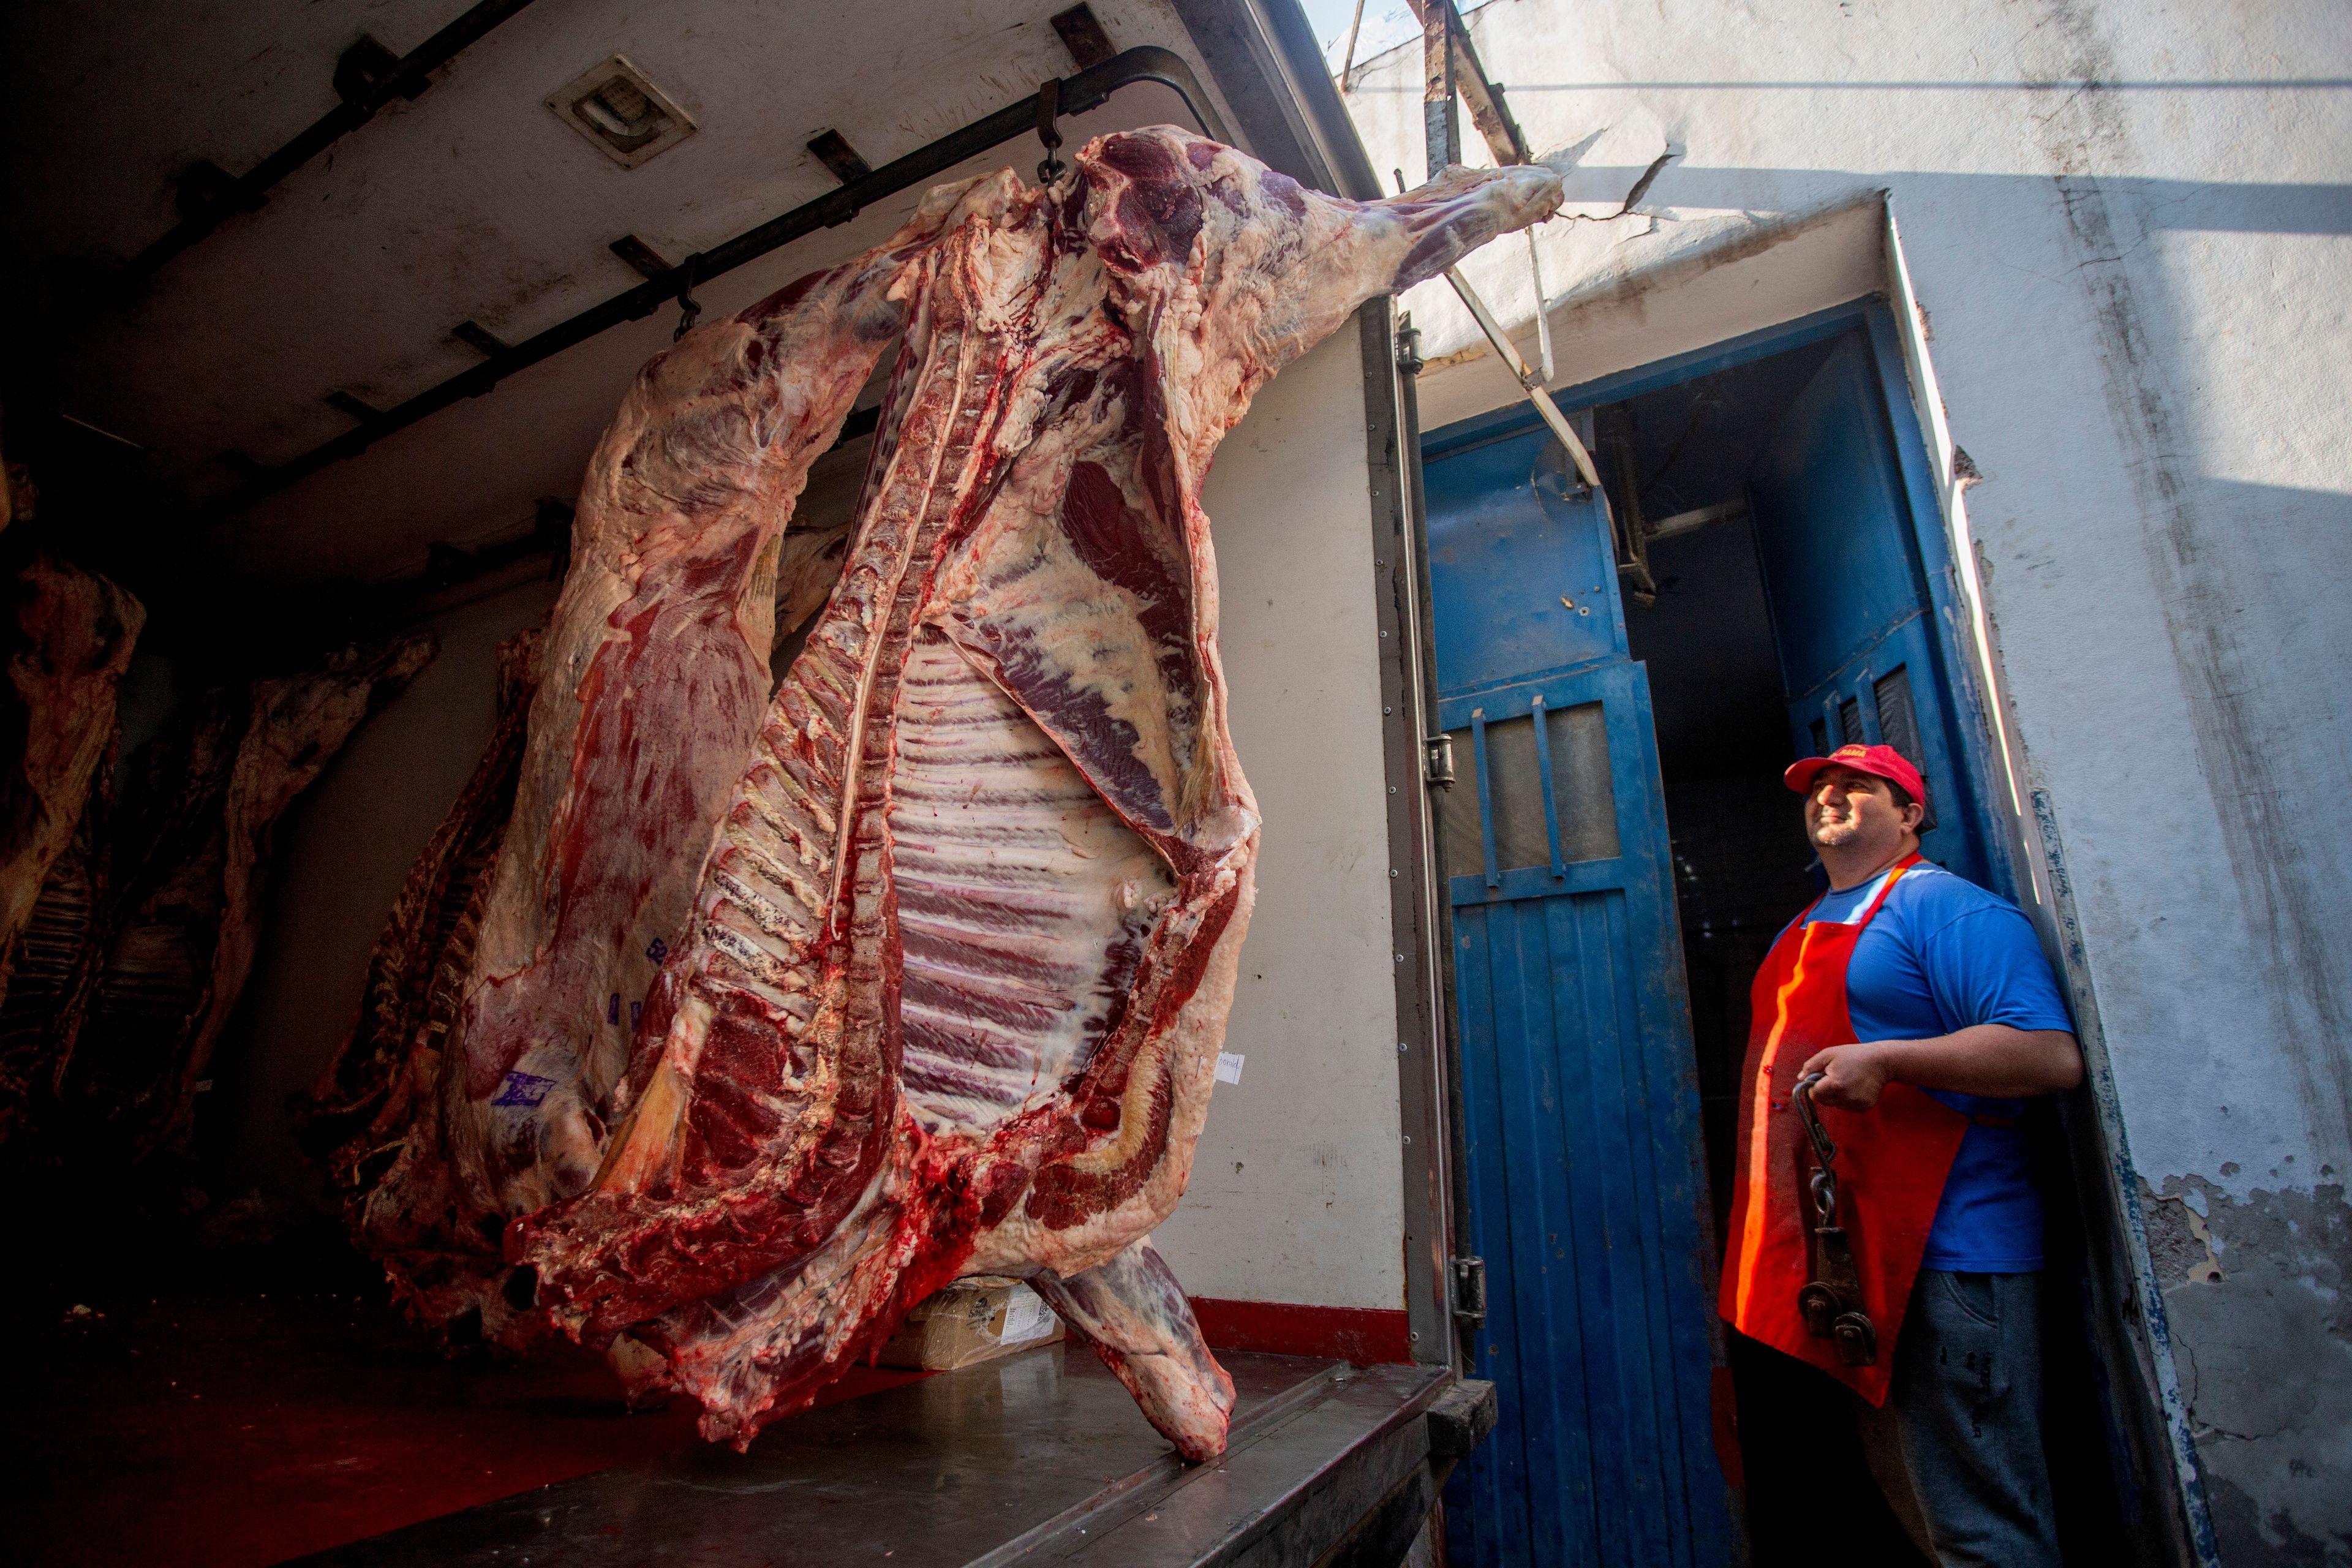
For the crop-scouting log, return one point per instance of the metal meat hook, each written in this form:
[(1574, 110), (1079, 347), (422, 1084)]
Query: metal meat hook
[(1831, 1301), (688, 311), (1049, 109), (1803, 1096)]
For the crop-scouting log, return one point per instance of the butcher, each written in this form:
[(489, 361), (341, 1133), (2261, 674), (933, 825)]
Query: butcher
[(1900, 1025)]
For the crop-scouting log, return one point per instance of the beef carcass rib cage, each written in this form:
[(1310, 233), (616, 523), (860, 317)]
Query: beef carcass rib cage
[(785, 1011)]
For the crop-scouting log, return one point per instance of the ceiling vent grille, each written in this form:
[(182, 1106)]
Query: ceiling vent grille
[(622, 115)]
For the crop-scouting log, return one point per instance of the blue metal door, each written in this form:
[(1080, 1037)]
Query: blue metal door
[(1853, 615), (1586, 1184)]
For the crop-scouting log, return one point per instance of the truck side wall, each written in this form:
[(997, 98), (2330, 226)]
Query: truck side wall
[(1296, 1192)]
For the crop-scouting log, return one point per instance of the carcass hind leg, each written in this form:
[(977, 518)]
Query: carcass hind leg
[(1135, 1314)]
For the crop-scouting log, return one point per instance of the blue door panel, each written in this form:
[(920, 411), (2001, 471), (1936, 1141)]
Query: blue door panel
[(1550, 1371), (1831, 551), (1613, 1217), (1852, 610), (1520, 580), (1587, 1192)]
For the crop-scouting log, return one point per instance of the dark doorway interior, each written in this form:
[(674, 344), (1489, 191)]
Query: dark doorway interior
[(1742, 870), (1740, 858)]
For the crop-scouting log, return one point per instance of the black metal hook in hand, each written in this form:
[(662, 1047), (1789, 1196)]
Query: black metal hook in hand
[(1824, 1181), (1831, 1302), (1803, 1097), (1049, 110)]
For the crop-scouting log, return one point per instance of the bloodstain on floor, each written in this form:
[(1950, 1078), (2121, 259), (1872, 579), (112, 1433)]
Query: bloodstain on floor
[(228, 1421)]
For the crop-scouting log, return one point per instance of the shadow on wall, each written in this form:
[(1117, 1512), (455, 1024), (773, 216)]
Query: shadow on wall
[(2162, 205)]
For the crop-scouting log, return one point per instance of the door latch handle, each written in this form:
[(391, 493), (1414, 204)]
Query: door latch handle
[(1437, 761), (1470, 1290)]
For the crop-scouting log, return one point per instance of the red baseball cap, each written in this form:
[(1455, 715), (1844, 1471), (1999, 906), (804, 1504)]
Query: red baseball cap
[(1879, 761)]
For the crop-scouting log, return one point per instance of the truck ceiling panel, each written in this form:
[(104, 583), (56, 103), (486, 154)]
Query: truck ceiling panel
[(473, 202)]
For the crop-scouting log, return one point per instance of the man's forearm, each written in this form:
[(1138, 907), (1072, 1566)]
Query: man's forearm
[(1991, 1059)]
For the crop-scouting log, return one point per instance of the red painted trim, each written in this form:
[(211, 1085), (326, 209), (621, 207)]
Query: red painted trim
[(1364, 1335)]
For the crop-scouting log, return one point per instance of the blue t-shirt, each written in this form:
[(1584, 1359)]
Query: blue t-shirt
[(1944, 954)]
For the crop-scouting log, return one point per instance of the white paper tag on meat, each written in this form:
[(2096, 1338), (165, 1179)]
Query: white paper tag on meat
[(1229, 1067), (1027, 1316)]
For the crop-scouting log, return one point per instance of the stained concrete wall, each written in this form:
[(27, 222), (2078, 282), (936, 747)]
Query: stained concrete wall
[(2127, 227)]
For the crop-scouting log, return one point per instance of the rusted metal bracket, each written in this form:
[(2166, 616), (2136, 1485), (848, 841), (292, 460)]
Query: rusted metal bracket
[(1450, 65), (1470, 1285), (1440, 126), (1049, 131), (1437, 761)]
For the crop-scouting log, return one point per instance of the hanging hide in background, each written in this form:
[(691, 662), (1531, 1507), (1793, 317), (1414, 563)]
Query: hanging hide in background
[(72, 641)]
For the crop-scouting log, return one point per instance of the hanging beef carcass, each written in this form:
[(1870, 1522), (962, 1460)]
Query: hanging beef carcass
[(785, 1012), (72, 638), (71, 644), (353, 1120), (147, 930)]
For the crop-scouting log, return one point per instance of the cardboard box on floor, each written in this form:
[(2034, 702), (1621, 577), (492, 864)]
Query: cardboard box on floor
[(972, 1320)]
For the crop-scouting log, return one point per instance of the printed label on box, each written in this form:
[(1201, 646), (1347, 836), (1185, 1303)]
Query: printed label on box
[(1027, 1316)]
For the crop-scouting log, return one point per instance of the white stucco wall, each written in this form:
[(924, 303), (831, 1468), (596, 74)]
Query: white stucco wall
[(2127, 226)]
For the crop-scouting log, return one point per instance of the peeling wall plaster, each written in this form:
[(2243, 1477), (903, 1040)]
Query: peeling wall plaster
[(2262, 1326), (2130, 227)]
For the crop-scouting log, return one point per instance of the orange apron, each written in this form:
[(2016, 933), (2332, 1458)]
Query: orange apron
[(1891, 1163)]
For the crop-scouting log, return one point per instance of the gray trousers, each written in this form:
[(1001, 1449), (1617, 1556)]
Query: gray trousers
[(1957, 1447)]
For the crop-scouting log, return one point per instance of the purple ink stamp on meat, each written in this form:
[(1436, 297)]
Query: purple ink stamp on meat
[(523, 1089)]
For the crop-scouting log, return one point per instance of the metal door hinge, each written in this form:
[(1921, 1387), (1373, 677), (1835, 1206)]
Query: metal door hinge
[(1437, 761), (1470, 1290)]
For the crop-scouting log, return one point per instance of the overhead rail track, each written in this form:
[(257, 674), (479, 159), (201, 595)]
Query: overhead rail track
[(1031, 116), (368, 77)]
